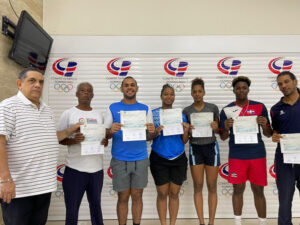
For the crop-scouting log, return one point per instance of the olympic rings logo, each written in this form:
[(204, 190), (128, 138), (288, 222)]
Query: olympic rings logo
[(115, 86), (59, 193), (63, 87), (178, 87), (227, 191), (226, 84)]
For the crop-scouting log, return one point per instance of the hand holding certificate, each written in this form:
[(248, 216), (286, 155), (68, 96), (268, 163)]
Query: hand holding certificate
[(201, 123), (134, 128), (171, 119), (290, 143), (93, 135), (245, 130)]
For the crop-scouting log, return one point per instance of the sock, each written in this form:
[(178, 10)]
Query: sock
[(237, 220), (262, 221)]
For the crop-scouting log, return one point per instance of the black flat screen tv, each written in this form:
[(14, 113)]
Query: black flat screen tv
[(32, 44)]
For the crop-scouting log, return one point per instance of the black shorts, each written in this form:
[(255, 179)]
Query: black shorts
[(165, 171), (204, 154)]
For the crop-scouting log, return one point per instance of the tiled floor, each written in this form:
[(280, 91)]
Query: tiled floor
[(296, 221)]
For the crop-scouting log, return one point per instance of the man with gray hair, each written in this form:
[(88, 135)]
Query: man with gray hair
[(28, 152), (84, 172)]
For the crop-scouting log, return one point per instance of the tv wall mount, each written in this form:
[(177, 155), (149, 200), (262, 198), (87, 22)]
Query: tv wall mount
[(7, 25)]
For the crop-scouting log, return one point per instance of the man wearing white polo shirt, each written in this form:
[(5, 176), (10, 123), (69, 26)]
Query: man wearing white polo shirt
[(28, 153)]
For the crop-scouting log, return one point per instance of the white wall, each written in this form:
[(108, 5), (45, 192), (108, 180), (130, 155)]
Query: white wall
[(171, 17)]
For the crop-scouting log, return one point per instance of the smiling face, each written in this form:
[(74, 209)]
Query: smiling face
[(32, 86), (286, 85), (168, 97), (129, 88), (241, 90), (198, 93)]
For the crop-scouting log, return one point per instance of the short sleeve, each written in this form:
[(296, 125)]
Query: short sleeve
[(63, 121), (7, 121), (223, 117), (216, 112), (265, 114), (108, 119), (149, 116)]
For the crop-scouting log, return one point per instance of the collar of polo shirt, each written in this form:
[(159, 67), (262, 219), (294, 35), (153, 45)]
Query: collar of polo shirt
[(26, 101)]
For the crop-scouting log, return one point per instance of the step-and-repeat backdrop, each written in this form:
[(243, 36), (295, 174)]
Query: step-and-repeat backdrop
[(105, 64)]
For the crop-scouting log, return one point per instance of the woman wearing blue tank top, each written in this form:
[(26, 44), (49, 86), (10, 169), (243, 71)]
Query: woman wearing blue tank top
[(204, 151), (168, 162)]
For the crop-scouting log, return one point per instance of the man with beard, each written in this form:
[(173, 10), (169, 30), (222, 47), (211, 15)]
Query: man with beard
[(247, 161), (129, 161), (285, 120)]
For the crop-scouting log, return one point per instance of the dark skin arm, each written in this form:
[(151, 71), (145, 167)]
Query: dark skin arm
[(267, 130), (224, 134)]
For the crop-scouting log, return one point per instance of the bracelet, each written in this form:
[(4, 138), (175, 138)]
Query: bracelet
[(6, 181)]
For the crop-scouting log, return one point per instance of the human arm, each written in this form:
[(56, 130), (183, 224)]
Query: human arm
[(7, 185), (276, 136), (263, 122), (63, 134), (186, 129), (224, 133)]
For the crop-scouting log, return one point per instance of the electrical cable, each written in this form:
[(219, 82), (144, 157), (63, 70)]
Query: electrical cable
[(13, 9)]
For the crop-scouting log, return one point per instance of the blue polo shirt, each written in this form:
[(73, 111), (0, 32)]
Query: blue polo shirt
[(244, 151), (168, 147), (285, 118)]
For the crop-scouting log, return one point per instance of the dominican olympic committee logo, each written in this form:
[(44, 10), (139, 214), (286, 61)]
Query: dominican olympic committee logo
[(175, 67), (229, 66), (272, 171), (119, 67), (280, 64), (60, 172), (224, 171), (63, 67)]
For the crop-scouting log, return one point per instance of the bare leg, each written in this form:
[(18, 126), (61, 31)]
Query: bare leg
[(237, 198), (161, 202), (137, 204), (211, 181), (122, 206), (259, 200), (197, 175), (173, 202)]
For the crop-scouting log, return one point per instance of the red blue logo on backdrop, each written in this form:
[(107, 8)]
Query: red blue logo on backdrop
[(33, 58), (176, 71), (60, 173), (223, 171), (118, 71), (232, 69), (276, 67), (64, 71), (272, 171), (109, 172)]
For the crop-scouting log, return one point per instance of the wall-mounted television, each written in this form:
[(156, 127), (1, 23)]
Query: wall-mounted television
[(32, 44)]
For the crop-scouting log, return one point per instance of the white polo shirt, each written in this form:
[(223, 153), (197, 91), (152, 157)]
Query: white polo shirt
[(32, 146)]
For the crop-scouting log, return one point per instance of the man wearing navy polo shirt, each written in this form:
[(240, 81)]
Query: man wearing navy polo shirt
[(247, 161), (285, 120), (129, 161)]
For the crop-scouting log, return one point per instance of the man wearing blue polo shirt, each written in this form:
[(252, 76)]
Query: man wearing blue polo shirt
[(285, 120), (129, 161)]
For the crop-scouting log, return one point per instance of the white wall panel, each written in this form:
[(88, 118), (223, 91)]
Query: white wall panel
[(147, 67)]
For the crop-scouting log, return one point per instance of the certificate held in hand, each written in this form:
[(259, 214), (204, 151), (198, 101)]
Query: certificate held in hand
[(134, 125), (93, 135), (201, 123), (171, 119), (245, 129)]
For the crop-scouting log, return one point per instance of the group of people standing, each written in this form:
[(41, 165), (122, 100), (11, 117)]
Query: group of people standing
[(29, 150)]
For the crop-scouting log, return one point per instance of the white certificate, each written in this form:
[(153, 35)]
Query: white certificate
[(133, 119), (171, 119), (201, 122), (245, 139), (93, 135), (293, 158), (290, 143), (134, 125), (245, 125), (138, 134)]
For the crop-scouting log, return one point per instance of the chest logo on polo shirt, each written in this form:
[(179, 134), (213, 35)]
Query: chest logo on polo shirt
[(250, 111), (281, 112)]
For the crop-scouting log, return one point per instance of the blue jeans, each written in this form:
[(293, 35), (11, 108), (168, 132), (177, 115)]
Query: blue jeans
[(31, 210), (75, 183)]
